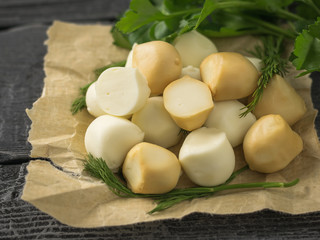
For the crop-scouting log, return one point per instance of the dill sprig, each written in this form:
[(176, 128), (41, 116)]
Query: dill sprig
[(98, 168), (80, 102), (273, 63)]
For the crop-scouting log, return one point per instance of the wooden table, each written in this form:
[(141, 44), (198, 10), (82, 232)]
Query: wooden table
[(23, 26)]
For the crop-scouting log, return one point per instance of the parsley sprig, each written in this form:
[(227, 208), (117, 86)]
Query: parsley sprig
[(297, 21), (294, 20)]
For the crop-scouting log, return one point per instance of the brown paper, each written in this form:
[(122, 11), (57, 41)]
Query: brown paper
[(76, 199)]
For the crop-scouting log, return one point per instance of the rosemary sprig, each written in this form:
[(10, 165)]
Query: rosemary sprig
[(98, 168), (80, 102), (270, 54)]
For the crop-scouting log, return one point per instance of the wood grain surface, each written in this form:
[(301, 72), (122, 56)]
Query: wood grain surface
[(23, 25)]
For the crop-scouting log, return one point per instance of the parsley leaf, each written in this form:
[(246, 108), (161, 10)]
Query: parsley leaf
[(140, 13), (306, 54)]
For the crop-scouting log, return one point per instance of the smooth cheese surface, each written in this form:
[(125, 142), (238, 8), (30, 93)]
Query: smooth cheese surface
[(229, 75), (149, 168), (121, 91), (91, 101), (226, 117), (157, 124), (188, 101), (207, 157), (159, 62), (279, 97), (193, 47), (129, 58), (111, 138), (270, 144)]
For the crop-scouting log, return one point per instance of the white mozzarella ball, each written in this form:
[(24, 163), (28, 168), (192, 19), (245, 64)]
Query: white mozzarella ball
[(191, 71), (122, 91), (207, 157), (226, 117), (111, 138), (257, 62), (157, 124), (193, 47), (91, 101)]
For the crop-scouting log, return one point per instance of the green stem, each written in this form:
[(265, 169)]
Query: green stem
[(210, 33), (272, 27), (290, 15), (184, 12), (313, 5), (210, 190), (166, 201), (250, 5)]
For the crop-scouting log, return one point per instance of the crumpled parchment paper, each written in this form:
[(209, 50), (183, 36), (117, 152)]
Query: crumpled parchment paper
[(76, 199)]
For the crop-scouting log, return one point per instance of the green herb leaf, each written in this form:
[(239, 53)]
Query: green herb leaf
[(306, 54), (120, 39), (140, 13)]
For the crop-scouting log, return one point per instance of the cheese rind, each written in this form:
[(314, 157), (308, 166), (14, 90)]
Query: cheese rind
[(193, 47), (279, 97), (229, 75), (122, 91), (159, 62), (157, 124), (188, 101), (110, 138), (226, 117), (207, 157), (151, 169), (270, 144)]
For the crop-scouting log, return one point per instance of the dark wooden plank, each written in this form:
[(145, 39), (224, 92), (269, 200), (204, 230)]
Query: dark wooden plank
[(21, 76), (315, 94), (20, 220), (21, 12)]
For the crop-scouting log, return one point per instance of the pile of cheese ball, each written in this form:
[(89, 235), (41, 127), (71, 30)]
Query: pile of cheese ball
[(141, 108)]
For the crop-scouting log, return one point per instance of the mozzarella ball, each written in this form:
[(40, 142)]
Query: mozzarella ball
[(270, 144), (157, 124), (91, 101), (257, 62), (193, 47), (188, 101), (279, 97), (207, 157), (151, 169), (191, 71), (229, 75), (159, 62), (225, 116), (111, 138), (122, 91)]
